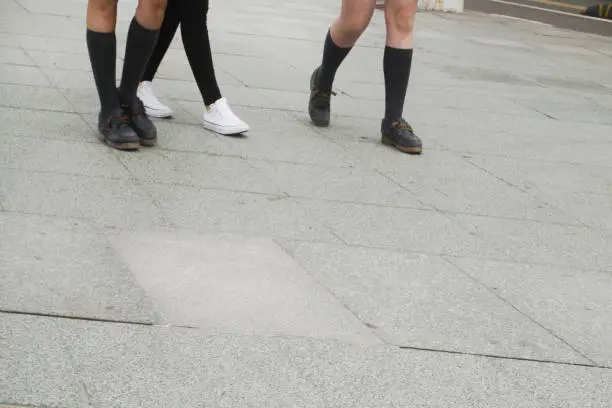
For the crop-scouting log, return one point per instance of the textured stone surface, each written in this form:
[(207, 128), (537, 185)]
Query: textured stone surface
[(574, 304), (168, 365), (66, 268), (424, 302), (35, 367), (495, 241), (229, 283)]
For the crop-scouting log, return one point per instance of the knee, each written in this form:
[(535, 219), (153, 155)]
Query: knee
[(352, 27), (401, 19), (103, 8), (155, 6)]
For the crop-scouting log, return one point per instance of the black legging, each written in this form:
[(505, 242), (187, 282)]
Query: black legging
[(191, 14)]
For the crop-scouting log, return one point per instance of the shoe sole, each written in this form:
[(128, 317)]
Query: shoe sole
[(148, 143), (158, 114), (119, 146), (410, 150), (225, 131), (324, 123)]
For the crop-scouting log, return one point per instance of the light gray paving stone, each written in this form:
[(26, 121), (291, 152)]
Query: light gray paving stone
[(405, 229), (193, 277), (201, 170), (51, 44), (546, 148), (14, 56), (118, 363), (273, 216), (64, 60), (42, 25), (573, 304), (104, 202), (66, 157), (247, 70), (339, 184), (11, 7), (594, 210), (274, 136), (263, 98), (84, 101), (425, 302), (228, 43), (8, 40), (26, 123), (175, 66), (35, 369), (576, 83), (21, 96), (22, 75), (536, 242), (545, 177), (576, 112), (184, 89), (73, 79), (469, 189), (66, 268)]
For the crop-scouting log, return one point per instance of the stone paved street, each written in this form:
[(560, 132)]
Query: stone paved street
[(308, 267)]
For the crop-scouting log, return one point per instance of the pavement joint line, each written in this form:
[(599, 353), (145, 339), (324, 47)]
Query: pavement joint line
[(498, 357), (79, 318), (527, 316), (413, 348)]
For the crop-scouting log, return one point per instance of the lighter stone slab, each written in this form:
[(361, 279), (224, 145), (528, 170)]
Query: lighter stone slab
[(230, 283)]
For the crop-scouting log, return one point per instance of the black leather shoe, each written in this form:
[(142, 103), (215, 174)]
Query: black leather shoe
[(115, 129), (140, 122), (399, 134), (319, 103)]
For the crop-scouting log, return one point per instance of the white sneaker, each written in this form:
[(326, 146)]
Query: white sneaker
[(219, 118), (153, 107)]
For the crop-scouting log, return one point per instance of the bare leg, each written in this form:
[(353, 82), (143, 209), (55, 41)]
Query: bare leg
[(341, 37), (399, 18), (354, 19)]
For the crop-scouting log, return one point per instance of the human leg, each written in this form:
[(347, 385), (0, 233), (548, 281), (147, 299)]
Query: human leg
[(397, 61), (141, 40), (218, 116), (167, 31), (145, 92), (342, 35), (102, 47), (194, 30), (142, 36)]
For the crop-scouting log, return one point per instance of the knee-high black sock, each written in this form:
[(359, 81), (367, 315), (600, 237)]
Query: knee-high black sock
[(166, 34), (194, 31), (332, 58), (103, 56), (140, 44), (396, 67)]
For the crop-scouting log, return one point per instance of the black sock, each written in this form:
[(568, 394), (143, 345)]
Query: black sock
[(140, 44), (396, 66), (332, 58), (194, 32), (166, 34), (103, 56)]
